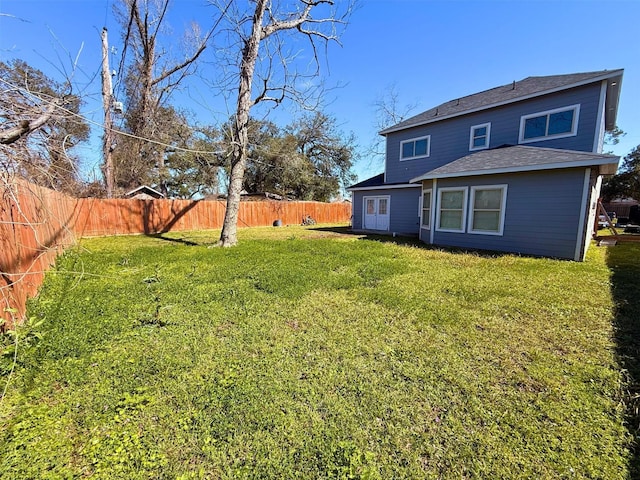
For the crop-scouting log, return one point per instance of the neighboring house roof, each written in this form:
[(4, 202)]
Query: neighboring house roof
[(520, 158), (516, 91), (145, 189), (377, 182)]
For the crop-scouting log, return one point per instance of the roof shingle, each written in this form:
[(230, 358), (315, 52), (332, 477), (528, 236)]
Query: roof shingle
[(518, 159), (530, 86)]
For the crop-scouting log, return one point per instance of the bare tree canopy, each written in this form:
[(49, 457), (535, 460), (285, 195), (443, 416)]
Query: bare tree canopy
[(388, 111), (39, 126), (262, 56), (152, 72)]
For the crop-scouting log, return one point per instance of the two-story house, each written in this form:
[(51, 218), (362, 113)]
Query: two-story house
[(517, 168)]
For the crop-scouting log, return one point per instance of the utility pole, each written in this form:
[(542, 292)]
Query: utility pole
[(108, 122)]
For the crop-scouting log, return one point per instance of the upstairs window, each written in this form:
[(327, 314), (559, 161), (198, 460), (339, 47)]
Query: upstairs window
[(479, 137), (415, 148), (558, 123)]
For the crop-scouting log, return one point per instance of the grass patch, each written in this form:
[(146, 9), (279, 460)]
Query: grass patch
[(305, 353), (623, 263)]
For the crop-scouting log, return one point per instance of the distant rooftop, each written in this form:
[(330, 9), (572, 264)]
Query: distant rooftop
[(520, 90), (145, 190)]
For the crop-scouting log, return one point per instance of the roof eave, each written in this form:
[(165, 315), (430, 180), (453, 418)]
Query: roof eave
[(605, 168), (614, 84), (392, 186)]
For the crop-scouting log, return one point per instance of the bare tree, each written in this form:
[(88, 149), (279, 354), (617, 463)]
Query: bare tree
[(153, 74), (265, 68), (25, 126), (388, 111), (39, 126)]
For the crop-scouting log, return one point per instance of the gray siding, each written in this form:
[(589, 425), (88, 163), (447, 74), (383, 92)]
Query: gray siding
[(542, 214), (450, 138), (403, 209)]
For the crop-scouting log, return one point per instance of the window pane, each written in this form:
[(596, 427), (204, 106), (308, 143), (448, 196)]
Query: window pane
[(535, 127), (426, 217), (426, 209), (480, 132), (407, 150), (421, 147), (371, 207), (560, 122), (382, 206), (480, 141), (487, 199), (486, 221), (452, 199), (451, 220)]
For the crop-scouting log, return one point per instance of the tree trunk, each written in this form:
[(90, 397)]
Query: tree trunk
[(240, 135)]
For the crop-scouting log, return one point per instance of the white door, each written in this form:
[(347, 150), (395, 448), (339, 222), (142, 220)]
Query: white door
[(376, 213)]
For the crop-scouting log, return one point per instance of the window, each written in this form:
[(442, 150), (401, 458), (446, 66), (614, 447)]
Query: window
[(487, 209), (414, 148), (558, 123), (479, 137), (452, 211), (426, 209)]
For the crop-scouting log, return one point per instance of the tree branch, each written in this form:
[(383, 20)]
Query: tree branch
[(184, 64), (25, 127)]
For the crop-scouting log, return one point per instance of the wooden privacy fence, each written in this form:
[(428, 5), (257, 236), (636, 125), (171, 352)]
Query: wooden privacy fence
[(36, 224), (101, 217), (620, 209)]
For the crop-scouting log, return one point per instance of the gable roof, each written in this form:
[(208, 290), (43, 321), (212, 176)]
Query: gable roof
[(512, 159), (516, 91)]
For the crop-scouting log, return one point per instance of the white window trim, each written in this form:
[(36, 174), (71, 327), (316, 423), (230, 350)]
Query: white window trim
[(572, 133), (472, 136), (430, 190), (465, 201), (503, 209), (410, 140)]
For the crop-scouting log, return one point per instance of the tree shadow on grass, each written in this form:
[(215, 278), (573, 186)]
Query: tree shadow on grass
[(183, 241), (623, 261)]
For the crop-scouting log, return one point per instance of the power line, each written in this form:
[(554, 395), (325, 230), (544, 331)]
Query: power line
[(130, 135), (113, 130), (106, 13)]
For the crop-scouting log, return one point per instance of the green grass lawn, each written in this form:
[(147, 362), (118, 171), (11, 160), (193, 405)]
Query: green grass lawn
[(306, 353)]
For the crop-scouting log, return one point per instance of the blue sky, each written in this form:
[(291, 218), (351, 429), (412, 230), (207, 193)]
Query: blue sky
[(430, 51)]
